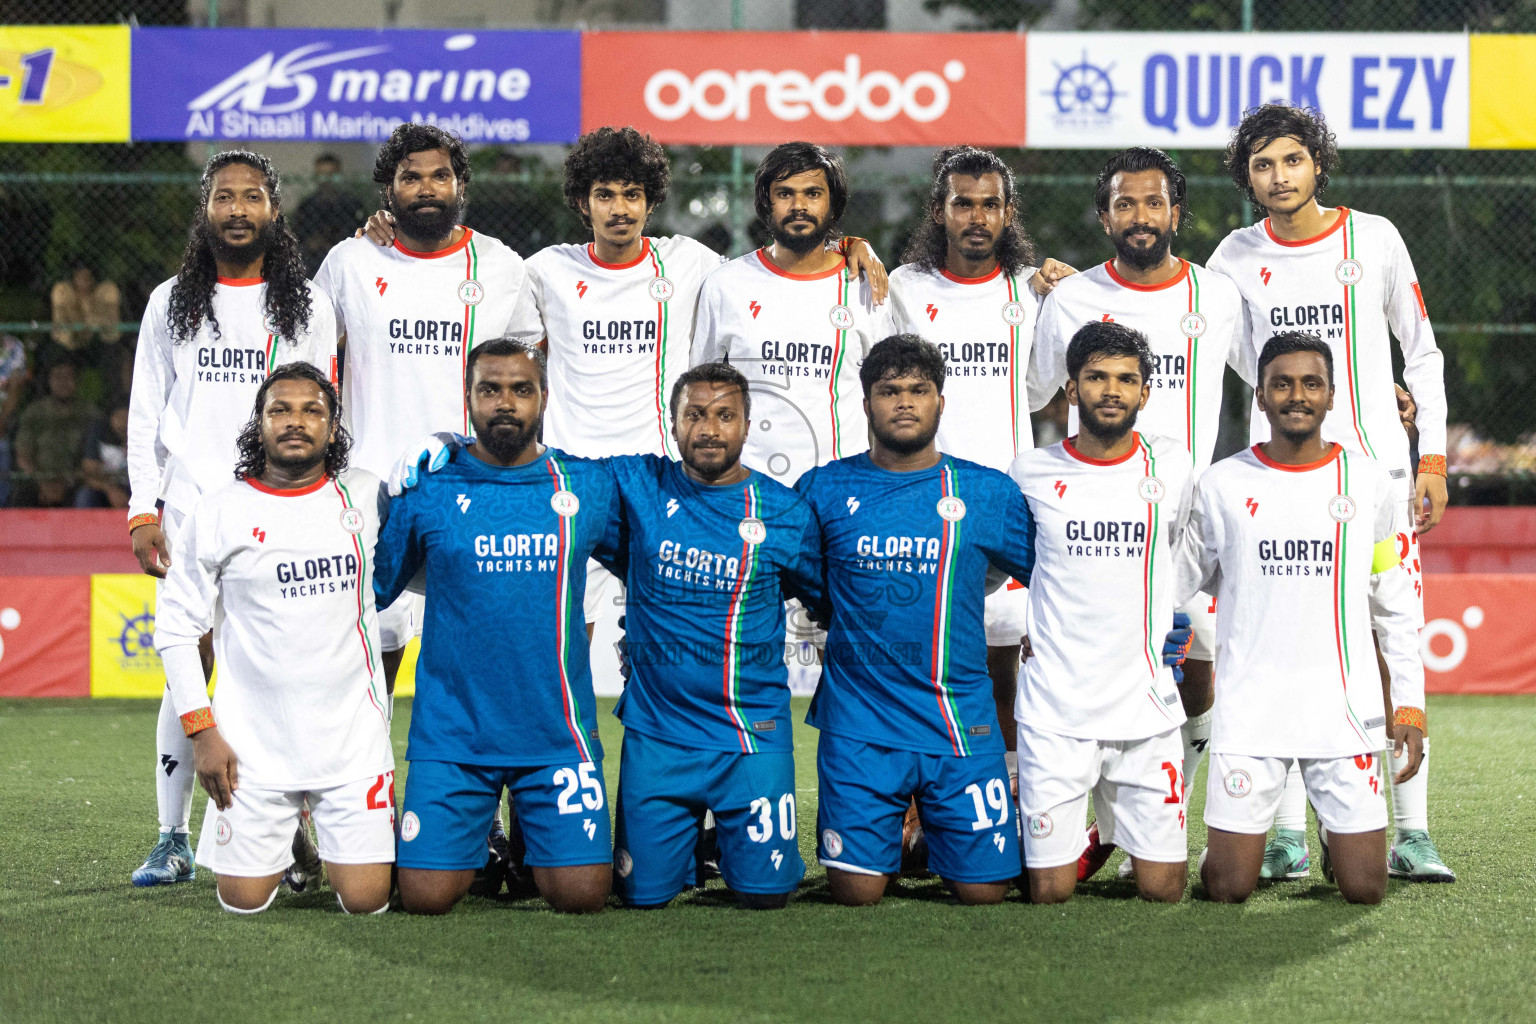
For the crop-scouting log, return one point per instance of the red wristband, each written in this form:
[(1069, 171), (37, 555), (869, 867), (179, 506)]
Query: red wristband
[(1432, 464), (194, 722), (1411, 716), (143, 519)]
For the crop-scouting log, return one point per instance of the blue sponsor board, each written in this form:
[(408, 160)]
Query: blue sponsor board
[(350, 85)]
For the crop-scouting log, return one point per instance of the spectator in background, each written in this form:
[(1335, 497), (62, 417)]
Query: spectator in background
[(84, 300), (13, 381), (105, 465), (50, 438), (328, 214)]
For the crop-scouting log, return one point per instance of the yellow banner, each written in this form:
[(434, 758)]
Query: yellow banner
[(64, 83), (1503, 80), (123, 658)]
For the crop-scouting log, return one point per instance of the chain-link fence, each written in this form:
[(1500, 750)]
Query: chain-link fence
[(1469, 217)]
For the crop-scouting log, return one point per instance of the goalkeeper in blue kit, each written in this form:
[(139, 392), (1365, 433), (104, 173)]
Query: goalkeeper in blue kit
[(911, 539)]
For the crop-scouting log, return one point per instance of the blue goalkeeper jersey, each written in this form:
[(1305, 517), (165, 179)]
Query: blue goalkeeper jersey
[(907, 557), (707, 569), (503, 679)]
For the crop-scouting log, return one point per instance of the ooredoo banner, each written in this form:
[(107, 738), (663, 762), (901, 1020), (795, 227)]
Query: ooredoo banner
[(1479, 634), (44, 642), (1098, 90), (842, 88)]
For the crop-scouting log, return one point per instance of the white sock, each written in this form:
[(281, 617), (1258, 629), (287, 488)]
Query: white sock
[(173, 768), (1293, 801), (254, 910), (1410, 800), (1196, 733), (344, 909)]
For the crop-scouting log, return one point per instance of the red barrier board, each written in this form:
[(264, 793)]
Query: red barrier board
[(45, 636), (836, 88), (1479, 634)]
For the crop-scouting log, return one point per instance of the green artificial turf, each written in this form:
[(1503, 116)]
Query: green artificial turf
[(78, 943)]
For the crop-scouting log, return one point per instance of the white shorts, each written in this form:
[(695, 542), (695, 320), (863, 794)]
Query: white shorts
[(1242, 793), (1137, 789), (602, 586), (1202, 617), (1408, 548), (253, 838), (401, 621), (1007, 611)]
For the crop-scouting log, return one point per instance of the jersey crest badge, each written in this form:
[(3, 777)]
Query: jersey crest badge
[(841, 317), (471, 292), (752, 530), (1349, 272), (269, 323), (1013, 313), (623, 863), (661, 289), (565, 503), (832, 843), (1192, 325), (1237, 783), (1040, 825), (951, 508), (352, 520), (410, 826), (1152, 490), (1341, 507), (224, 832)]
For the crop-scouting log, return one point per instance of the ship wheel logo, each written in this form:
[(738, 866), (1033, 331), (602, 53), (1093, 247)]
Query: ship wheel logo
[(137, 638), (1083, 88)]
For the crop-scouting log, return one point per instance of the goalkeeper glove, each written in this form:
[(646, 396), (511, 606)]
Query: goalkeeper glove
[(1176, 645)]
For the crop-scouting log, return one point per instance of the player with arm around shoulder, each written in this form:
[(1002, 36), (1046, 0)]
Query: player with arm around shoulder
[(285, 550), (910, 540), (1296, 538)]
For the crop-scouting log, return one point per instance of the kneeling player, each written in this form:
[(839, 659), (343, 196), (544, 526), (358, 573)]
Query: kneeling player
[(1296, 538), (1097, 709), (503, 531), (905, 706), (710, 548), (284, 551)]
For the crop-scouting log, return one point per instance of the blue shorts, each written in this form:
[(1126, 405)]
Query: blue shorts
[(664, 790), (446, 815), (963, 802)]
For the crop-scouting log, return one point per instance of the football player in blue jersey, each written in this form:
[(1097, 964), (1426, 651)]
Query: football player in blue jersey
[(502, 533), (911, 540), (709, 550)]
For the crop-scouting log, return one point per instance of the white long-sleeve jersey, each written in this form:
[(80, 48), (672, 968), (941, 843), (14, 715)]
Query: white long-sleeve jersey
[(410, 319), (1354, 286), (985, 327), (799, 339), (1192, 322), (618, 336), (191, 398), (285, 581), (1302, 560), (1101, 599)]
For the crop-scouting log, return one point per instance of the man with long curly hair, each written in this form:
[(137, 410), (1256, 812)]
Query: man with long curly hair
[(284, 550), (240, 303)]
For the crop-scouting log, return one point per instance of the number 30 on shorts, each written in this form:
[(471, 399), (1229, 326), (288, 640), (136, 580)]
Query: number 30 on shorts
[(586, 783), (761, 831)]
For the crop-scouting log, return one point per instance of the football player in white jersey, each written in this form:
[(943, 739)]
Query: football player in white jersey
[(1098, 710), (285, 550), (409, 314), (1191, 318), (1346, 277), (210, 335), (1297, 538)]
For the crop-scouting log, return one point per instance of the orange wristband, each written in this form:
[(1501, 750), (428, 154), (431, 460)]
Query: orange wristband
[(1411, 716), (1432, 464), (194, 722), (143, 519)]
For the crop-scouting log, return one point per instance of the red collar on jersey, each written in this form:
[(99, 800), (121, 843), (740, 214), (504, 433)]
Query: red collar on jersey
[(944, 271), (1343, 216), (645, 250), (292, 492), (1080, 457), (240, 282), (456, 247), (762, 256), (1122, 282), (1258, 453)]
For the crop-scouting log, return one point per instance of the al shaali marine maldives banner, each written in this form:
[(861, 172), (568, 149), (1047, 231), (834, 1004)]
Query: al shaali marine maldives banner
[(346, 85), (1103, 90)]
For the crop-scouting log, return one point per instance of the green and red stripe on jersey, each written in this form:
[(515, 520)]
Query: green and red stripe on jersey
[(735, 613), (839, 343), (1015, 371), (565, 612), (1192, 354), (1341, 588), (1351, 330), (943, 605), (663, 322), (471, 270), (362, 619), (1150, 631)]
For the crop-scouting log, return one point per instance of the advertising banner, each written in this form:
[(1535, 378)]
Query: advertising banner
[(44, 640), (353, 85), (1479, 634), (836, 88), (124, 662), (1105, 90), (64, 83), (1503, 82)]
